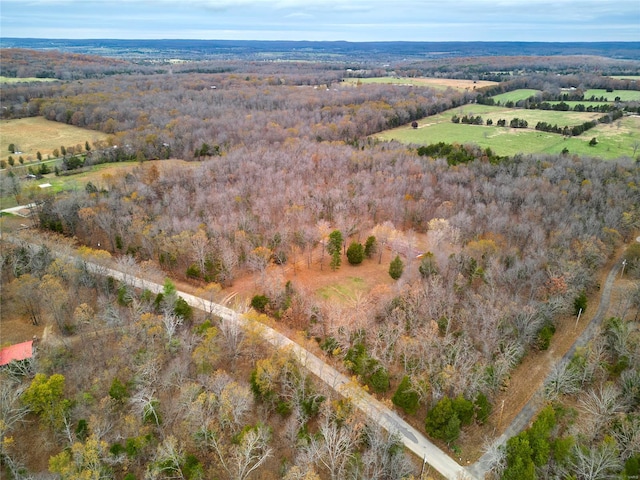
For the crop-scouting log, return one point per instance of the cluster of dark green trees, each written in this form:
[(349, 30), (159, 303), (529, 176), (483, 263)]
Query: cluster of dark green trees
[(467, 119), (457, 154), (578, 129)]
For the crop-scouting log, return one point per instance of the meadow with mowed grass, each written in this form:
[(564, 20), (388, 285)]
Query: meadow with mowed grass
[(515, 95), (623, 95), (614, 140)]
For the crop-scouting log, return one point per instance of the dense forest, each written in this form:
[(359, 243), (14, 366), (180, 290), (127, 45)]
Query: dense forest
[(282, 172)]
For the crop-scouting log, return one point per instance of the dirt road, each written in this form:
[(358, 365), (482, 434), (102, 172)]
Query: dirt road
[(524, 417)]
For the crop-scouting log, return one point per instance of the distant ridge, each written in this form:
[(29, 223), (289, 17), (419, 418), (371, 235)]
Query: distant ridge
[(330, 50)]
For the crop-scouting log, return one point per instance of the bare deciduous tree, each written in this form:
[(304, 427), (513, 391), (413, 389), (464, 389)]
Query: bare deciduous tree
[(244, 456), (599, 406), (336, 446), (597, 463)]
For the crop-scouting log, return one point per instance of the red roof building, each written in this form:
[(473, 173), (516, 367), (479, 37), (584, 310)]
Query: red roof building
[(19, 351)]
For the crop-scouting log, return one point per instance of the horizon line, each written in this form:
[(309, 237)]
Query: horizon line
[(318, 41)]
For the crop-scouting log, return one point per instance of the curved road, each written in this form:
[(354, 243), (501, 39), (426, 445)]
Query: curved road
[(375, 410), (524, 417)]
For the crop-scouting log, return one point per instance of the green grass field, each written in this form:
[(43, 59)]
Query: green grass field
[(343, 292), (614, 140), (524, 93), (26, 79), (625, 95), (515, 96), (626, 77), (531, 116)]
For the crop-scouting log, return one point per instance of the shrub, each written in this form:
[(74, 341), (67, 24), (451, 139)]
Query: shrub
[(329, 345), (379, 379), (82, 429), (396, 268), (445, 418), (544, 336), (192, 468), (116, 449), (193, 271), (183, 309), (355, 253), (428, 265), (442, 421), (124, 296), (483, 408), (118, 391), (463, 408), (580, 303), (370, 246), (260, 302), (405, 397), (43, 169)]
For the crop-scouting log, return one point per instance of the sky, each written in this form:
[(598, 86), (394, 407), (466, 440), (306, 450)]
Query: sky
[(350, 20)]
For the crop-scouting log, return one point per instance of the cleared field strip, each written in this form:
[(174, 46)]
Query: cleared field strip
[(625, 95), (26, 79), (614, 140), (437, 83), (516, 95), (524, 93)]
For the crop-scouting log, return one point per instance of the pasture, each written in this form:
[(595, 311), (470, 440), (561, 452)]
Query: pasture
[(625, 95), (496, 113), (614, 140), (437, 83), (36, 134), (515, 95)]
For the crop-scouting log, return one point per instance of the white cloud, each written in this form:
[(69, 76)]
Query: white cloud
[(356, 20)]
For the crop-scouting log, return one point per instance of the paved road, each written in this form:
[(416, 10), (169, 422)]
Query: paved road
[(524, 417), (375, 410)]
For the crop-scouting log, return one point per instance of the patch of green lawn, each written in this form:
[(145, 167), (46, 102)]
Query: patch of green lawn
[(343, 292)]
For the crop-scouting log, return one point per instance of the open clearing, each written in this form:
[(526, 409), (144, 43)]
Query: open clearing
[(438, 83), (625, 95), (524, 93), (516, 95), (36, 134), (614, 140), (26, 79)]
